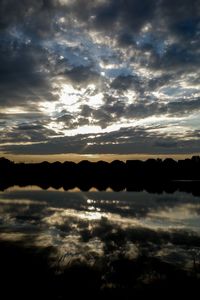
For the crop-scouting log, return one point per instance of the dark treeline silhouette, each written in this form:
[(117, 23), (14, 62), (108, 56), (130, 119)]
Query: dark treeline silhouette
[(152, 175)]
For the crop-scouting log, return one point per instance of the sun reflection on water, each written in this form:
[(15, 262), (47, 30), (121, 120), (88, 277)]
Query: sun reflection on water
[(93, 225)]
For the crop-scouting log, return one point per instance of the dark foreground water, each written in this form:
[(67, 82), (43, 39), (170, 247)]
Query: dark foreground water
[(58, 245)]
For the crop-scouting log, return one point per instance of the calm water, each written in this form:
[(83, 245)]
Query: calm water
[(103, 241)]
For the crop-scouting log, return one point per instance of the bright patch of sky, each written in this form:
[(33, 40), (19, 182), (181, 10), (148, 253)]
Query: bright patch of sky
[(95, 68)]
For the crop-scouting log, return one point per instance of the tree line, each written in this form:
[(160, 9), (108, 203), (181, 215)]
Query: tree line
[(151, 175)]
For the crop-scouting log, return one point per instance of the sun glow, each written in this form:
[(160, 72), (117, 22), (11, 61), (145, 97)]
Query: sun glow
[(96, 100), (71, 100), (14, 110)]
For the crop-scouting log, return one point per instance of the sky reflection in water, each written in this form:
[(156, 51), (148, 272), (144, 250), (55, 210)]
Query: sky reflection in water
[(94, 225)]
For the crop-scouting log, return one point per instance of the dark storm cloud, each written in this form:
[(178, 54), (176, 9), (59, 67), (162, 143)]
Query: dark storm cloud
[(70, 121), (172, 109), (34, 15), (177, 57), (126, 82), (24, 62), (176, 20), (66, 118), (108, 14), (137, 141), (23, 79), (19, 117), (125, 19), (183, 107), (113, 109), (54, 146), (26, 127), (182, 17), (81, 75), (124, 141), (27, 132), (160, 81), (108, 113)]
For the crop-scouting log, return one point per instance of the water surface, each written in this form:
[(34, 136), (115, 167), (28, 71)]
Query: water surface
[(107, 242)]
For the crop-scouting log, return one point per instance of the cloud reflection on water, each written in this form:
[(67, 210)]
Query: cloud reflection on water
[(78, 222), (101, 229)]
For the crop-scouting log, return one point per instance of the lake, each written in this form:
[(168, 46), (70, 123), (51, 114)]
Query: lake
[(54, 243)]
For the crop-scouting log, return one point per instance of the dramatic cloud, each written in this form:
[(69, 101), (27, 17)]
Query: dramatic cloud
[(124, 72)]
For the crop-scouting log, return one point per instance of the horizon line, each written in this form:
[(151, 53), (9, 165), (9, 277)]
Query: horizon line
[(76, 157)]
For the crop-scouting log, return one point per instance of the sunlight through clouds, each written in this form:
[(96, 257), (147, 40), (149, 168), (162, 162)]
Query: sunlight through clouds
[(73, 68)]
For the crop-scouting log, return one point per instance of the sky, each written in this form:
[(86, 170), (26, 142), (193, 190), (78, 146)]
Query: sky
[(98, 77)]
